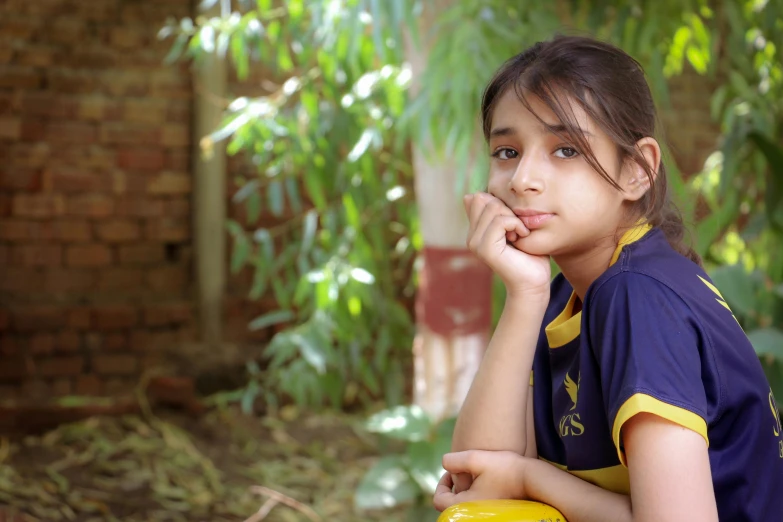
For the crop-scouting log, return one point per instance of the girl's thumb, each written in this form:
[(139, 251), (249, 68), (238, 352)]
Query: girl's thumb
[(462, 462)]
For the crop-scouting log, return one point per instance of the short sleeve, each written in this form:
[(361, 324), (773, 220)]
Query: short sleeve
[(647, 343)]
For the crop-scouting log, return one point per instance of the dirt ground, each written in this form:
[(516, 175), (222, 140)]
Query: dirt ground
[(220, 466)]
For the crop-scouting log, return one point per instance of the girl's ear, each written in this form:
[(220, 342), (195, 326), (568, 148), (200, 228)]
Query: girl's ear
[(635, 181)]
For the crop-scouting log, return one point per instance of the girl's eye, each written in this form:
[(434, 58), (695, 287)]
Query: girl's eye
[(505, 154), (566, 152)]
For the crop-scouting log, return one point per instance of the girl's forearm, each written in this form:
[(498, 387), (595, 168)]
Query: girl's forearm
[(576, 499), (493, 416)]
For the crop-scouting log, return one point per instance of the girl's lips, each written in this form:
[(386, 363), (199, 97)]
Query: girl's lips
[(534, 221)]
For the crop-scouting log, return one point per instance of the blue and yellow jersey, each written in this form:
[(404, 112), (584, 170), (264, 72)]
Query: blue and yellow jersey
[(655, 335)]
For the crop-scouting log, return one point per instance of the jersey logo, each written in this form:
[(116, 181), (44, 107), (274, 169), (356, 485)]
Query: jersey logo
[(720, 298), (571, 424), (572, 388)]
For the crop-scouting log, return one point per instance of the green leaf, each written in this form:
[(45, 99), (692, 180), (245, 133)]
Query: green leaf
[(768, 342), (315, 189), (310, 225), (425, 460), (292, 189), (240, 252), (275, 197), (386, 485), (737, 286), (271, 318), (310, 350), (351, 212), (403, 422)]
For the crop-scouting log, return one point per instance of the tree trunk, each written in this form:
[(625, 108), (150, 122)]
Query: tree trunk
[(209, 196), (453, 303)]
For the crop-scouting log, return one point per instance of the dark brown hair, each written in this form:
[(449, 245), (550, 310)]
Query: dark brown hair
[(611, 87)]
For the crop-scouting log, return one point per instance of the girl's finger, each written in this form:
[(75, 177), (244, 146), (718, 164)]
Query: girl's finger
[(500, 226), (512, 236)]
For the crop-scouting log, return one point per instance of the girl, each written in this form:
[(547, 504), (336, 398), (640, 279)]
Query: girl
[(646, 401)]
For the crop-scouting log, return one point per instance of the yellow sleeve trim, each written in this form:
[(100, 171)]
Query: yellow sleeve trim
[(531, 378), (642, 403)]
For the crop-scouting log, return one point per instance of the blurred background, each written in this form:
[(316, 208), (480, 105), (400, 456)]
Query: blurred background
[(234, 284)]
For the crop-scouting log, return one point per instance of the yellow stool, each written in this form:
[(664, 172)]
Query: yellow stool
[(501, 511)]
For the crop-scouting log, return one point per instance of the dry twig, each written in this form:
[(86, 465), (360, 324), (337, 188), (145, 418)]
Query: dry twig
[(288, 501)]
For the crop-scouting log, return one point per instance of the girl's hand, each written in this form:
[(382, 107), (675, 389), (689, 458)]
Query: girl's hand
[(497, 475), (494, 236)]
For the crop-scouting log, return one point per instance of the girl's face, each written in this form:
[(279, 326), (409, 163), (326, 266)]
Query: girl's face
[(568, 207)]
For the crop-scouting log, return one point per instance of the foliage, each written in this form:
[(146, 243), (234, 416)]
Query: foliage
[(332, 172), (329, 144), (410, 477)]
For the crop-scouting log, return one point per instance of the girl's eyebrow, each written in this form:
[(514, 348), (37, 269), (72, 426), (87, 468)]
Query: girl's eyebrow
[(557, 129)]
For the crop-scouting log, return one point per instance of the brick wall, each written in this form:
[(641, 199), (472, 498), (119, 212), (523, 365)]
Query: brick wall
[(94, 195), (95, 184)]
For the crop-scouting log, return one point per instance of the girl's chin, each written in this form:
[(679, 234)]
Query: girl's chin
[(536, 244)]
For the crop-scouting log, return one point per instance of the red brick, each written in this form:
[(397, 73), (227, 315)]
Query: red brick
[(95, 58), (176, 135), (140, 207), (38, 205), (61, 366), (68, 342), (98, 108), (177, 207), (141, 158), (145, 110), (9, 345), (20, 178), (71, 81), (121, 279), (16, 230), (179, 112), (125, 83), (5, 319), (21, 78), (30, 155), (65, 30), (42, 344), (119, 387), (62, 387), (124, 133), (33, 130), (68, 281), (35, 390), (114, 364), (159, 341), (116, 342), (129, 38), (71, 230), (37, 255), (90, 385), (71, 132), (170, 84), (168, 279), (115, 317), (72, 179), (19, 27), (47, 104), (168, 314), (142, 254), (91, 205), (37, 318), (37, 55), (118, 231), (21, 282), (5, 205), (10, 128), (170, 183), (178, 160), (168, 229), (92, 255), (16, 368), (80, 318), (4, 255), (93, 342)]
